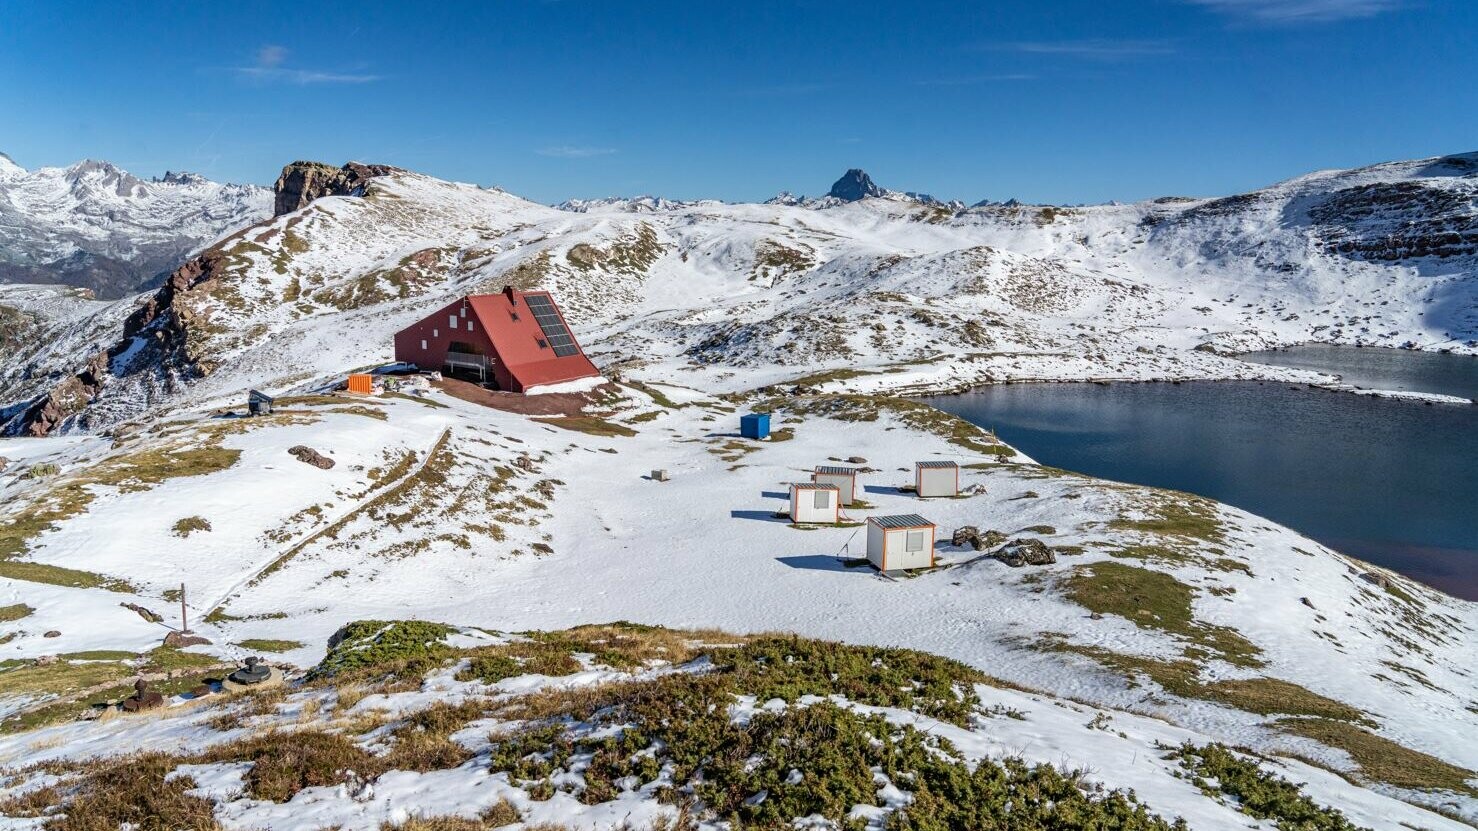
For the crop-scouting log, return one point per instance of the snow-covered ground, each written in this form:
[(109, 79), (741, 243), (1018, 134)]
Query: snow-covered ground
[(443, 510), (506, 522)]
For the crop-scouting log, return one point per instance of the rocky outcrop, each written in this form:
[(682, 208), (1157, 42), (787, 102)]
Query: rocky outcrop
[(68, 398), (302, 182), (173, 319), (855, 184), (309, 456), (1026, 552)]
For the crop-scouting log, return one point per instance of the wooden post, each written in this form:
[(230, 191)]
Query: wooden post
[(184, 621)]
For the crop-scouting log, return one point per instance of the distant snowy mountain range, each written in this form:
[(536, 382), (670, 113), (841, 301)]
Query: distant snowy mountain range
[(96, 226)]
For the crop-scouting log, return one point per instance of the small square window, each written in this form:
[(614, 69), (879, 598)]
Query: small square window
[(915, 541), (822, 499)]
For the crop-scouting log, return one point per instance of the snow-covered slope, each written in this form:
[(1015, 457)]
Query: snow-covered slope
[(437, 508), (606, 727), (743, 295), (95, 226)]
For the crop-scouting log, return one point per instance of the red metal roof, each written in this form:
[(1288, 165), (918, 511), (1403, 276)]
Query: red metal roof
[(523, 354)]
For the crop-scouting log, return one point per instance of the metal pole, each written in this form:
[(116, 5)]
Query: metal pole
[(184, 621)]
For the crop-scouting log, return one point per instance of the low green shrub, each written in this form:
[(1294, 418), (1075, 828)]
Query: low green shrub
[(1257, 792)]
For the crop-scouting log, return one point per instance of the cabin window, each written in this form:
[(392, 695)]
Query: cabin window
[(915, 541), (451, 321), (542, 343), (435, 333), (822, 499), (464, 311), (469, 326), (423, 344)]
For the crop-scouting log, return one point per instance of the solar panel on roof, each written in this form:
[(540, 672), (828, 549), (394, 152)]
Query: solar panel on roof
[(835, 471), (901, 521), (555, 332)]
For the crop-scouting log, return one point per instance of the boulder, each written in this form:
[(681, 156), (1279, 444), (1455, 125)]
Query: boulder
[(1377, 579), (183, 639), (1026, 552), (856, 460), (966, 535), (308, 455)]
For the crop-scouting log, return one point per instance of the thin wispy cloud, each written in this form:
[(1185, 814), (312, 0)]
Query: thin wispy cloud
[(1300, 11), (567, 151), (1094, 49), (270, 68), (971, 80)]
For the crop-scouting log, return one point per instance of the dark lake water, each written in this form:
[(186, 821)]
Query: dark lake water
[(1382, 369), (1392, 482)]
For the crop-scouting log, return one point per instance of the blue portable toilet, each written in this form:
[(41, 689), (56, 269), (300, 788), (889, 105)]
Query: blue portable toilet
[(755, 426)]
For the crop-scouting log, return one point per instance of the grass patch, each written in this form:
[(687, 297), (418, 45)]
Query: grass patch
[(58, 576), (1263, 696), (269, 645), (1383, 760), (189, 525), (593, 425), (15, 611), (132, 792), (655, 393), (1154, 600), (1174, 514)]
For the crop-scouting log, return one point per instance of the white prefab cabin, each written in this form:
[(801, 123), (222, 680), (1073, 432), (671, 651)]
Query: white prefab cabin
[(936, 478), (813, 503), (845, 478), (897, 543)]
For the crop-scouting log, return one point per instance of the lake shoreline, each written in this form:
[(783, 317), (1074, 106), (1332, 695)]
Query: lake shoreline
[(1387, 479)]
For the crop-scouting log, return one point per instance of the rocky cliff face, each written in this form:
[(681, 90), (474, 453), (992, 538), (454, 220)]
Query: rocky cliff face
[(157, 337), (301, 182)]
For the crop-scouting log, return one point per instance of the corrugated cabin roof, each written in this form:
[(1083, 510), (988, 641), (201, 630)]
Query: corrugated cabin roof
[(901, 521), (937, 464), (812, 486), (836, 471)]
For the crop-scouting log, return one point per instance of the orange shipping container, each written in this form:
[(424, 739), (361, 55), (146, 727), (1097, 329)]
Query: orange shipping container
[(362, 384)]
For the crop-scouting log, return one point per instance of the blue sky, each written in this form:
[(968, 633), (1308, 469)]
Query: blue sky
[(1070, 101)]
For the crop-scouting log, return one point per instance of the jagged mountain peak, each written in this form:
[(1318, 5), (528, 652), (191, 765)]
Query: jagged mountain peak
[(855, 184)]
